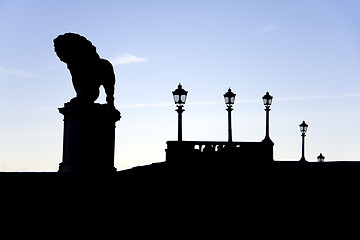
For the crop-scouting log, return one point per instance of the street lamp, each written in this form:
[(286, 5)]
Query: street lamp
[(267, 99), (229, 98), (179, 98), (320, 158), (303, 129)]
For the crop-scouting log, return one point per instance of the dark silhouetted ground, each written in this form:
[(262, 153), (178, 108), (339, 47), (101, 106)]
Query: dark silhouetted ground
[(207, 200)]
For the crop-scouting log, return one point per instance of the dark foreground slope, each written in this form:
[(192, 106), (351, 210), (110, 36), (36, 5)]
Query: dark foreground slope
[(225, 200), (158, 180)]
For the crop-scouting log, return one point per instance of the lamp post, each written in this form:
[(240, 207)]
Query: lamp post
[(320, 158), (229, 98), (267, 99), (179, 98), (303, 129)]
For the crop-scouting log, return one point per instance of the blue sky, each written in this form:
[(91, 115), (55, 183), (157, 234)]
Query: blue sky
[(305, 53)]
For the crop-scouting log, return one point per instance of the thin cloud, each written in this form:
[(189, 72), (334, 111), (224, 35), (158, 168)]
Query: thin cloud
[(335, 96), (16, 72), (268, 28), (127, 58), (144, 105), (165, 104)]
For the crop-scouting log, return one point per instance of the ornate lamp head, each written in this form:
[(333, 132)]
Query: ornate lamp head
[(267, 99), (303, 127), (229, 98), (180, 95)]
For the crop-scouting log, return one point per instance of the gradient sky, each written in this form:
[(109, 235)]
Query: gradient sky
[(305, 53)]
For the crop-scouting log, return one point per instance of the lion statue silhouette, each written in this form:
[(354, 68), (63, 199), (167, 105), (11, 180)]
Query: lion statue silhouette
[(87, 69)]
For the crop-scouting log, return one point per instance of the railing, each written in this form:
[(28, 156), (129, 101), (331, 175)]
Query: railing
[(191, 152)]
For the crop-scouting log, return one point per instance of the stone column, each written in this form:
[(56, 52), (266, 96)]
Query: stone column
[(89, 138)]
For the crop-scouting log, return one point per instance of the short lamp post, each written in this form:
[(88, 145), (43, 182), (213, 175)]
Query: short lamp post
[(267, 99), (303, 129), (229, 98), (320, 158), (179, 98)]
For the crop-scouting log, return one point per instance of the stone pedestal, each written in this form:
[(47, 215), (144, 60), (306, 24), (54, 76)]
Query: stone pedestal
[(89, 138)]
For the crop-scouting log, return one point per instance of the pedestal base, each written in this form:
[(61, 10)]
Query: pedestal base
[(89, 138)]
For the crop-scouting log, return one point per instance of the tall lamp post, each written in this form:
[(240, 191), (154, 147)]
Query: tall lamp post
[(303, 129), (179, 98), (229, 98), (267, 99)]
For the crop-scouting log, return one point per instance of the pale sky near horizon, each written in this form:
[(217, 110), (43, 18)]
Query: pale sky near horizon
[(305, 53)]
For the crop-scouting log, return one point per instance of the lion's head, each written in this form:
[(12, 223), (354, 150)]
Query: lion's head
[(72, 47)]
